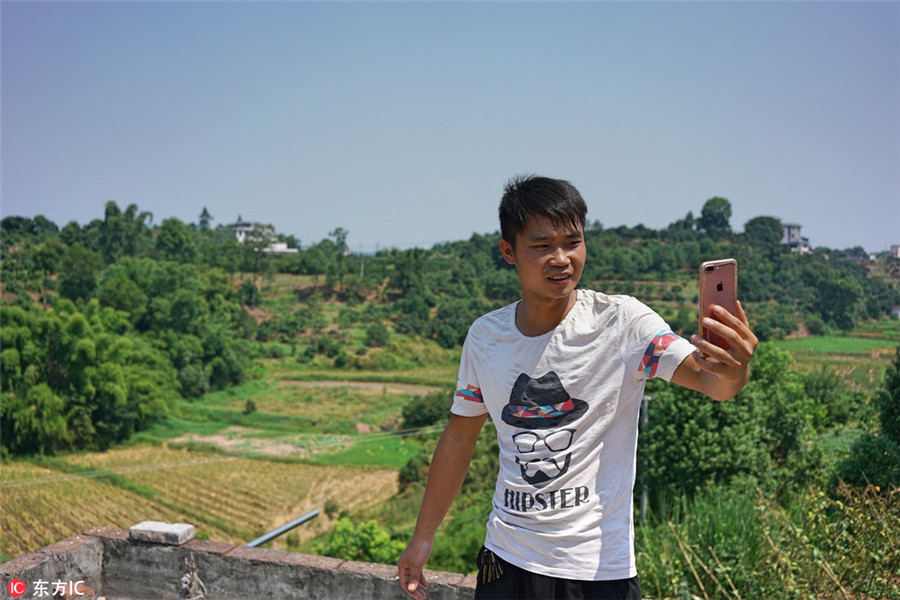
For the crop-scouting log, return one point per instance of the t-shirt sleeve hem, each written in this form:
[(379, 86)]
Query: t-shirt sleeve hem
[(674, 355), (475, 410)]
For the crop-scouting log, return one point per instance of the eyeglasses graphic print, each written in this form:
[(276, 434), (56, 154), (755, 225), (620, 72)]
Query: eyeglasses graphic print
[(557, 441), (543, 457)]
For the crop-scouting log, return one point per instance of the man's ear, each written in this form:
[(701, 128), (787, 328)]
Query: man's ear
[(507, 252)]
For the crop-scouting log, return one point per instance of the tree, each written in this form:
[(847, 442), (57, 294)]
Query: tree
[(377, 335), (449, 327), (423, 411), (888, 401), (78, 271), (692, 441), (15, 224), (338, 268), (221, 249), (121, 293), (408, 276), (71, 234), (837, 296), (205, 219), (175, 242), (714, 218), (74, 379), (339, 236), (875, 458), (34, 421), (124, 234), (255, 241), (40, 227), (764, 232), (412, 314), (249, 294)]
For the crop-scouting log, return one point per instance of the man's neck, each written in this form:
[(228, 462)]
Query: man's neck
[(536, 317)]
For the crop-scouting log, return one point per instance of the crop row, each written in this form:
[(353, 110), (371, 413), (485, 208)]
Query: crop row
[(227, 499), (39, 514)]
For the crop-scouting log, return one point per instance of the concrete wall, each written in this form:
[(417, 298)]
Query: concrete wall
[(115, 564)]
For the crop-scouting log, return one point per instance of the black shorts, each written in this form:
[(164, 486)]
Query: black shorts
[(499, 580)]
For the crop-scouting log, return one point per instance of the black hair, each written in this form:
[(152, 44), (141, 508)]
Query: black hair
[(526, 196)]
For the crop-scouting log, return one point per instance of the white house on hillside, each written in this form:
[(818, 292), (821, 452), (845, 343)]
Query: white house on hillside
[(794, 239), (245, 231), (280, 248), (242, 229)]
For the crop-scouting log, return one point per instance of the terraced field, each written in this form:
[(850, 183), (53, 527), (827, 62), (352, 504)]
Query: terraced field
[(227, 498)]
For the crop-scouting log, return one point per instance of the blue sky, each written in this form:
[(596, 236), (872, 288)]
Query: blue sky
[(401, 121)]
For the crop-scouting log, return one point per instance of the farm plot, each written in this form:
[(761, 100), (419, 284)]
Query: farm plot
[(860, 361), (41, 506), (377, 404), (226, 498)]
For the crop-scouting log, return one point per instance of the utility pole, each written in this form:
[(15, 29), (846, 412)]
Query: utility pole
[(645, 419)]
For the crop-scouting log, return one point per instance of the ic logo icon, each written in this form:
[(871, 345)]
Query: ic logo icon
[(16, 588)]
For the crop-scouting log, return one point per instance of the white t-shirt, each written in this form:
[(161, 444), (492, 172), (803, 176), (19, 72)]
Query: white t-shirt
[(566, 406)]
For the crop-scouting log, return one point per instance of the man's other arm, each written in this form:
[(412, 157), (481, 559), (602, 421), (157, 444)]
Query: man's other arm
[(445, 477)]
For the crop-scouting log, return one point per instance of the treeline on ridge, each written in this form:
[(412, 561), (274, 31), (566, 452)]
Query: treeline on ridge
[(104, 325)]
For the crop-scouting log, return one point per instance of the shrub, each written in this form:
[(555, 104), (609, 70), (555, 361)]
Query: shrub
[(423, 411), (414, 471), (377, 335), (366, 541), (725, 544), (194, 381)]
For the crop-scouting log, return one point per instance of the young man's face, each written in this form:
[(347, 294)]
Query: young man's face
[(548, 258)]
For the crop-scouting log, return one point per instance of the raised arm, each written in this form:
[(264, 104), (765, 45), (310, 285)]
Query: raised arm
[(719, 373), (445, 477)]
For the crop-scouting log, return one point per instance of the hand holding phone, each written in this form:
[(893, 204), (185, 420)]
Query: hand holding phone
[(718, 285)]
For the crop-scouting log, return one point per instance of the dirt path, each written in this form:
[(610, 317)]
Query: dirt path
[(376, 386), (239, 440)]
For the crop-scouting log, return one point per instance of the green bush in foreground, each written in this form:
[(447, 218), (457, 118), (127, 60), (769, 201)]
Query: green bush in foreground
[(726, 544), (365, 541)]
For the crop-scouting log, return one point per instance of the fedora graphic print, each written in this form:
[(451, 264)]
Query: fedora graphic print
[(543, 408)]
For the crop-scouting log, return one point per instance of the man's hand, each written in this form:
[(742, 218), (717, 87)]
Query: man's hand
[(714, 371), (410, 566), (448, 470)]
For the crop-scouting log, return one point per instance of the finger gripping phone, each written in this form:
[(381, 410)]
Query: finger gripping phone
[(718, 285)]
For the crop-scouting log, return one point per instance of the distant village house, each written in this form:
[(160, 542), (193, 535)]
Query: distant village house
[(280, 248), (245, 231), (794, 239)]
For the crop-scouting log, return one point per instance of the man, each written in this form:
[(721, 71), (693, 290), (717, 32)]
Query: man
[(561, 374)]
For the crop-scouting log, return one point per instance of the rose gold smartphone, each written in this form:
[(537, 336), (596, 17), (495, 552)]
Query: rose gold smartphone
[(718, 285)]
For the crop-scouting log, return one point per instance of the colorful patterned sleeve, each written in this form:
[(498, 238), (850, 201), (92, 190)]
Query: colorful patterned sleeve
[(470, 393), (655, 349), (468, 401)]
